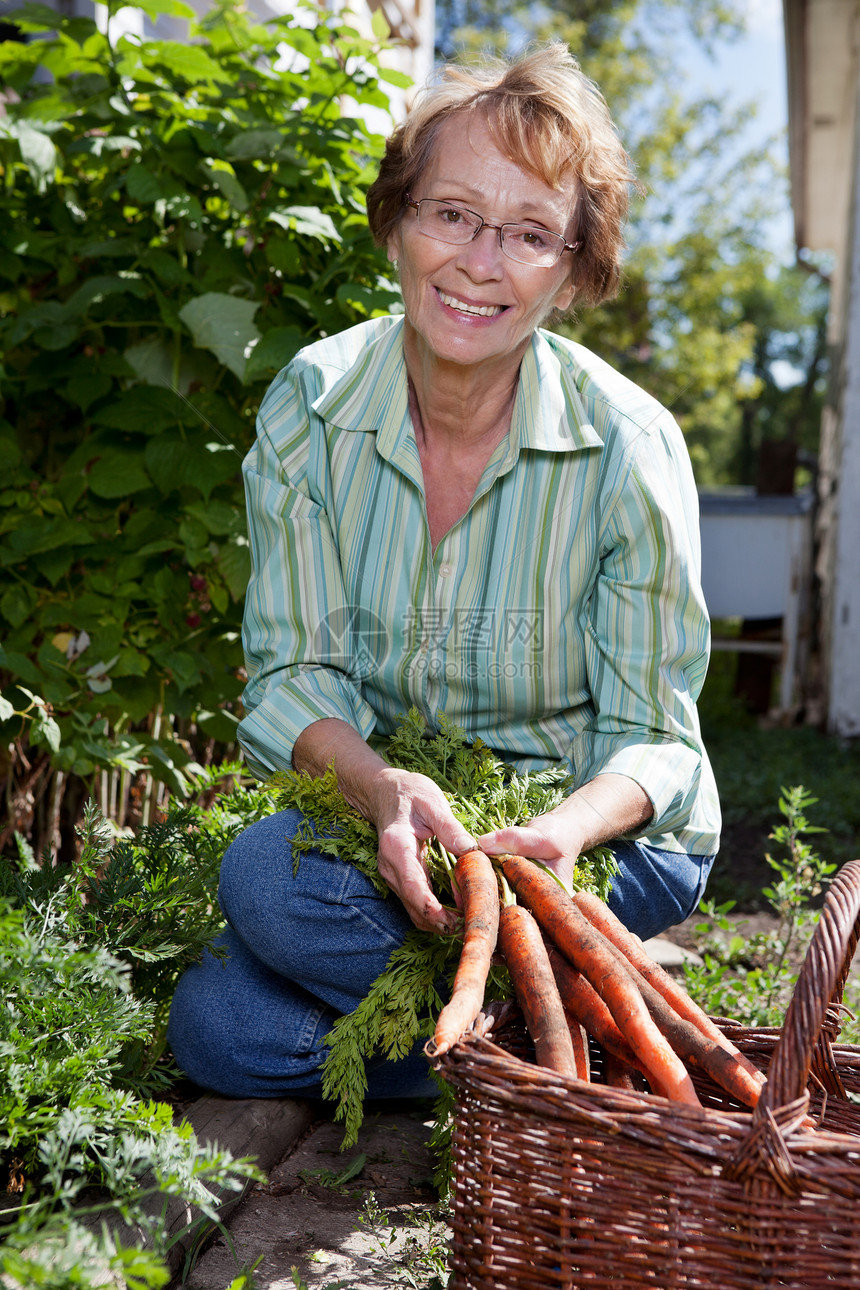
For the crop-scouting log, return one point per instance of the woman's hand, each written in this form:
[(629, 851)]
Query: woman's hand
[(606, 808), (547, 838), (407, 810)]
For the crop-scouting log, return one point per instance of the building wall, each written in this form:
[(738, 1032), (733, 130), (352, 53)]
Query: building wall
[(840, 509), (823, 63)]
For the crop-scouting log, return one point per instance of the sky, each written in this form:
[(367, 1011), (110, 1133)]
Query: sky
[(753, 67)]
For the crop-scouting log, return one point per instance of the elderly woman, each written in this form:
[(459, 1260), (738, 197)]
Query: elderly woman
[(457, 510)]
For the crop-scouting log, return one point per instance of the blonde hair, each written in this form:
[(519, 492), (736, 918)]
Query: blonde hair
[(551, 120)]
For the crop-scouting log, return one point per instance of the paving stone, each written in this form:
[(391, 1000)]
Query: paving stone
[(668, 954)]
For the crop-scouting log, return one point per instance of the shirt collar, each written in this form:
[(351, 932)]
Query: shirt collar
[(549, 414), (372, 395)]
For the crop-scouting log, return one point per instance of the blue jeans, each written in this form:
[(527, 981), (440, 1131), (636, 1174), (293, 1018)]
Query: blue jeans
[(303, 949)]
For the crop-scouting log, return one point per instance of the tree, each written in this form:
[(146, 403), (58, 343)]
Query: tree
[(176, 219), (788, 369)]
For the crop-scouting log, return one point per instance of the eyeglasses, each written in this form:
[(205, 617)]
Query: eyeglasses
[(525, 243)]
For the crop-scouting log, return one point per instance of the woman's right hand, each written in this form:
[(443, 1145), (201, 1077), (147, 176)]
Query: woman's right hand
[(408, 810)]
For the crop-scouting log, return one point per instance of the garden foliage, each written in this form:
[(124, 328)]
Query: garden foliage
[(751, 976), (176, 220), (89, 959)]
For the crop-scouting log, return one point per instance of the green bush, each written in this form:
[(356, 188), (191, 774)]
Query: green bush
[(176, 220)]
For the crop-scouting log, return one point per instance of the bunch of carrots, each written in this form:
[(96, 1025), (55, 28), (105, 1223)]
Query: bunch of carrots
[(577, 972)]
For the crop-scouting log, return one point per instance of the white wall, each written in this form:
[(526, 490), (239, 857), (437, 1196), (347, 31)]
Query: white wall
[(843, 685)]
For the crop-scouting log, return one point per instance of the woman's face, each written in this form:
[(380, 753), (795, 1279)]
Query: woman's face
[(471, 304)]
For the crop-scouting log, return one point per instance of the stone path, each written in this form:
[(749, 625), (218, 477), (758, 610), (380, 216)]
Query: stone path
[(358, 1220)]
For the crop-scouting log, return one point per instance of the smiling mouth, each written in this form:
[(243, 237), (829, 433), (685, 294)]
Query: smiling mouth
[(480, 311)]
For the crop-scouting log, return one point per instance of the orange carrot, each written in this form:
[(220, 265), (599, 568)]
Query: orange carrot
[(696, 1048), (477, 882), (584, 1005), (534, 984), (588, 950), (602, 917), (621, 1074)]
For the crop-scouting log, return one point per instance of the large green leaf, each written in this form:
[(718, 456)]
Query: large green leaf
[(234, 561), (142, 185), (170, 8), (254, 145), (119, 473), (37, 533), (95, 290), (17, 604), (189, 62), (308, 220), (191, 463), (147, 409), (86, 390), (273, 352), (37, 150), (217, 517), (224, 178), (153, 360), (225, 325)]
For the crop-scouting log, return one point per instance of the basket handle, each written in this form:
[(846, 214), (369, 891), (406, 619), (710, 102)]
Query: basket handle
[(812, 1017)]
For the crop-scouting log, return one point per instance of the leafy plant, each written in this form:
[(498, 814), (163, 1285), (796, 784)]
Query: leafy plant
[(176, 219), (148, 902), (335, 1180), (415, 1255), (752, 978), (68, 1123), (88, 961), (300, 1284)]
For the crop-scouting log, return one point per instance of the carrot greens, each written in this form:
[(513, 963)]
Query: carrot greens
[(485, 793)]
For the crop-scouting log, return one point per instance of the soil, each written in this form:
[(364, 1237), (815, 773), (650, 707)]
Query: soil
[(363, 1218)]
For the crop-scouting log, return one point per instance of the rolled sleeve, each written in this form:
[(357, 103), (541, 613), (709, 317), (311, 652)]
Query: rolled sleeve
[(647, 638), (296, 631)]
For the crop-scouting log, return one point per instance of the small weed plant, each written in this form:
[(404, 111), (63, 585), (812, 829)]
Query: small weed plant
[(334, 1180), (414, 1254), (751, 977)]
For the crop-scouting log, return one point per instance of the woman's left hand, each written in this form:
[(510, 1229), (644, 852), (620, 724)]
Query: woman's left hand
[(607, 807), (546, 838)]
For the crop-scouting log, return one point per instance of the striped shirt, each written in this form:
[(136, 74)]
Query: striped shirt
[(561, 619)]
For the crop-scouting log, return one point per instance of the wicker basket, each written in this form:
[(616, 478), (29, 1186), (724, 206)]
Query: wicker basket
[(563, 1183)]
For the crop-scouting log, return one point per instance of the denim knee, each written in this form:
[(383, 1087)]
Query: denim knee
[(239, 1029), (320, 923), (655, 889)]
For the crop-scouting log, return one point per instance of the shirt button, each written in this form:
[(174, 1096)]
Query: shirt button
[(444, 570)]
